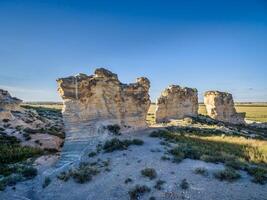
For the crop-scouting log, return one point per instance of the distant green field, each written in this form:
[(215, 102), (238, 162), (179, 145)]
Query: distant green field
[(256, 112)]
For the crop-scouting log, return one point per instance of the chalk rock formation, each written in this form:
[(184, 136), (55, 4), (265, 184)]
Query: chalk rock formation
[(176, 102), (8, 104), (103, 98), (220, 106)]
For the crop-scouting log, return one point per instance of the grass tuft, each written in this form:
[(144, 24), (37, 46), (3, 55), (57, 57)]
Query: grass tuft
[(149, 172), (138, 191)]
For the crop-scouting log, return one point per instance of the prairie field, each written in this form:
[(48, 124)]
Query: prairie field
[(254, 112)]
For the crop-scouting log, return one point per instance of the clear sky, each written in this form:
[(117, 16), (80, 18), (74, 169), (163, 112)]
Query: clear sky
[(209, 45)]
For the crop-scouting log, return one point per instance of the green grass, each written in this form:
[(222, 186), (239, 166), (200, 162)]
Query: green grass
[(234, 151), (228, 174), (215, 147), (12, 152), (116, 144)]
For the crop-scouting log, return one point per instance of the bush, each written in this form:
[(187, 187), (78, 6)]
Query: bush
[(184, 184), (116, 144), (64, 176), (115, 129), (228, 174), (84, 173), (92, 154), (259, 174), (149, 172), (29, 172), (138, 191), (128, 180), (201, 171)]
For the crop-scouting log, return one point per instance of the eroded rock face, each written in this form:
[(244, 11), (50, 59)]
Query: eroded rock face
[(176, 102), (220, 106), (102, 97), (8, 104)]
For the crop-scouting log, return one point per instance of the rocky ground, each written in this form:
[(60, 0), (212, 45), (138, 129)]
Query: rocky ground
[(101, 167)]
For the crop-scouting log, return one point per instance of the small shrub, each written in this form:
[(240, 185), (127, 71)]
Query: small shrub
[(64, 176), (116, 144), (5, 120), (184, 184), (201, 171), (92, 154), (259, 174), (115, 129), (46, 182), (165, 158), (84, 173), (137, 142), (128, 180), (159, 184), (149, 172), (236, 164), (29, 172), (152, 198), (228, 174), (138, 191)]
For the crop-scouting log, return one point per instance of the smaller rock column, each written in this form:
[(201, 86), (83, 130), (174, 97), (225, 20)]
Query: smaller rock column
[(176, 102), (220, 106)]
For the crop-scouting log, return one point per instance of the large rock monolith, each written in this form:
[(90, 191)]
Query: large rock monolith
[(220, 106), (103, 98), (176, 102)]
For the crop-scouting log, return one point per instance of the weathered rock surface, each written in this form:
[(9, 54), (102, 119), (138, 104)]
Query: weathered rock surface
[(103, 98), (8, 104), (27, 125), (220, 106), (176, 102)]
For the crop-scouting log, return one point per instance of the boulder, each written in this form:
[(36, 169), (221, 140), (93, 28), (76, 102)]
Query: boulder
[(103, 98), (176, 102), (8, 104), (220, 106)]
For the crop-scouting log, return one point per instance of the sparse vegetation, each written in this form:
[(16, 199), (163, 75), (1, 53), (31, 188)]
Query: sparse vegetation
[(84, 173), (149, 172), (228, 174), (116, 144), (12, 152), (138, 191)]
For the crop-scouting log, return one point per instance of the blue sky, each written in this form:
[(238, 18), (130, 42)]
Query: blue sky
[(209, 45)]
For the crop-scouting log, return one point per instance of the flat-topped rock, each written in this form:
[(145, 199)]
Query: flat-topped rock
[(102, 97), (220, 106), (176, 102)]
